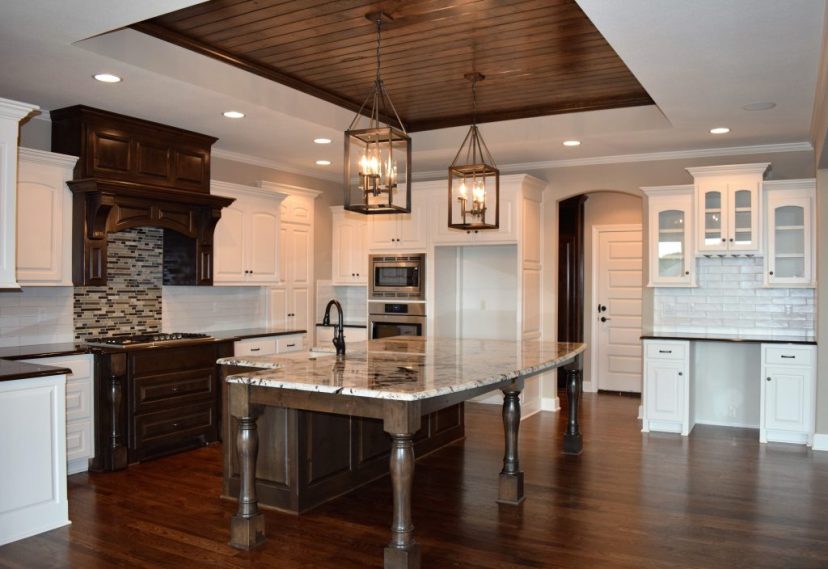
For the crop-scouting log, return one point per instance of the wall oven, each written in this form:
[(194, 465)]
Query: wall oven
[(397, 276), (386, 319)]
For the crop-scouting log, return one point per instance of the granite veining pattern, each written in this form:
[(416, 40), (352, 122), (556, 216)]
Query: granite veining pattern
[(404, 368)]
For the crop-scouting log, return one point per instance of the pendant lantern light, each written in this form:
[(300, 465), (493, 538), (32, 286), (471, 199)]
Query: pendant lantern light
[(474, 180), (378, 157)]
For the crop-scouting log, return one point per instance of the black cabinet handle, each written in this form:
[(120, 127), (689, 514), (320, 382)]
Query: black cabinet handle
[(255, 349), (788, 357), (767, 379), (290, 345), (665, 351)]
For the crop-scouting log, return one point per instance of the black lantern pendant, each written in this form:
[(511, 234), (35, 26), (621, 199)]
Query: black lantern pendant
[(378, 158), (474, 180)]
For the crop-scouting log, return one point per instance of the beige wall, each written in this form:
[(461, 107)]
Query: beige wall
[(602, 208), (822, 311)]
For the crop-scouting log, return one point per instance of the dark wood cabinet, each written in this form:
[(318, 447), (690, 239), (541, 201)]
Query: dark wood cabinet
[(312, 457), (154, 402)]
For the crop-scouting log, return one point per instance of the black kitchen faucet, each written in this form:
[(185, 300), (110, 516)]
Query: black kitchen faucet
[(339, 332)]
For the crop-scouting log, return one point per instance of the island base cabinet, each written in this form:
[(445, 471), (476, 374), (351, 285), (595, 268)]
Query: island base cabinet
[(33, 498), (314, 457)]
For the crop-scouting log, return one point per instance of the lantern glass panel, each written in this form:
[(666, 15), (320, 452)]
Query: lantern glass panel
[(474, 195), (377, 171)]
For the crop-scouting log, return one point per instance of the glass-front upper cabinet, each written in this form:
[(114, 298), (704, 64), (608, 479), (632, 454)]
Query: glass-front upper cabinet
[(728, 208), (790, 218), (671, 256)]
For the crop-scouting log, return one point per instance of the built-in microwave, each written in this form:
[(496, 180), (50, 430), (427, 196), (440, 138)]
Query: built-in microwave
[(397, 276)]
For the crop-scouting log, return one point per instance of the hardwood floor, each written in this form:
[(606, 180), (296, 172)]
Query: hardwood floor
[(717, 499)]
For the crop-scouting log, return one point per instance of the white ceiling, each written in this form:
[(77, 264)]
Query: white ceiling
[(700, 61)]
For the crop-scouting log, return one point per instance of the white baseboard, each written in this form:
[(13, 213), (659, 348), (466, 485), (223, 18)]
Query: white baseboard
[(550, 404), (820, 442), (589, 387)]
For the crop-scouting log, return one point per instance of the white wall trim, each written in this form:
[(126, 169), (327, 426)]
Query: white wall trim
[(46, 157), (820, 442), (643, 157), (593, 337), (272, 164), (289, 190), (550, 404)]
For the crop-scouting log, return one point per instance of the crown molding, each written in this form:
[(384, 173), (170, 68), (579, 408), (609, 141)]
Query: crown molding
[(729, 169), (271, 164), (219, 187), (15, 110), (289, 190), (644, 157), (46, 157)]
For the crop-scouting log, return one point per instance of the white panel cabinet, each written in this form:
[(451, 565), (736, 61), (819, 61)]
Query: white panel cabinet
[(33, 450), (80, 408), (349, 252), (441, 234), (788, 393), (289, 307), (791, 233), (400, 230), (44, 218), (666, 390), (11, 112), (269, 345), (246, 239), (728, 208), (670, 228)]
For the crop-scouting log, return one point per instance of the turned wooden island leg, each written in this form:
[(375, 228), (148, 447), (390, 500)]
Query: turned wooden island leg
[(247, 527), (510, 488), (572, 437), (402, 551)]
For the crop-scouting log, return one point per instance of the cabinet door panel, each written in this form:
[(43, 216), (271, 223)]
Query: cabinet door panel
[(383, 231), (786, 398), (297, 264), (712, 218), (300, 308), (277, 306), (665, 391), (263, 243), (228, 245)]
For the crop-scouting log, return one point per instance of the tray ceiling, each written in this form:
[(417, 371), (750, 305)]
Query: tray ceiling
[(540, 57)]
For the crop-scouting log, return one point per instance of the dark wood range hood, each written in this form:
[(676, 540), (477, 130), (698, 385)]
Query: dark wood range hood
[(135, 173)]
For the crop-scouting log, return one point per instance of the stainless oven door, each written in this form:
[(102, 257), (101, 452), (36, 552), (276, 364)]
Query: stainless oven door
[(387, 325)]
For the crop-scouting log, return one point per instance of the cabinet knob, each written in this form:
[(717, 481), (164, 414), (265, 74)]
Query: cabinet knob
[(723, 239), (767, 379), (681, 373), (686, 272), (731, 239), (771, 273)]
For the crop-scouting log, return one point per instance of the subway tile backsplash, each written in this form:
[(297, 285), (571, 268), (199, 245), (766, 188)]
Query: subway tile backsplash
[(354, 301), (730, 299), (211, 309), (36, 315)]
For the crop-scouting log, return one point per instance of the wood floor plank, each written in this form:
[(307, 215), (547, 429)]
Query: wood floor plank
[(715, 500)]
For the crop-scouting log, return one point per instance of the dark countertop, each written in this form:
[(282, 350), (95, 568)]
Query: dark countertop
[(344, 325), (10, 370), (717, 337), (70, 348), (245, 333)]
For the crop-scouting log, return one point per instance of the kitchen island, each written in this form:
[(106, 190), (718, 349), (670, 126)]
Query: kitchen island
[(396, 380)]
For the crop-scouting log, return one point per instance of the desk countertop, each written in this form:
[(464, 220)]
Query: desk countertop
[(718, 337), (405, 368)]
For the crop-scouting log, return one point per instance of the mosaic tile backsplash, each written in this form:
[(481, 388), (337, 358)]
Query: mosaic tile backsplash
[(130, 303), (731, 299)]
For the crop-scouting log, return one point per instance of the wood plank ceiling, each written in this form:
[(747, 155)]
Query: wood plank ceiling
[(540, 57)]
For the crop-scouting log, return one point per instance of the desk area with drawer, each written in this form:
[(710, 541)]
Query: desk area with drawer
[(730, 380)]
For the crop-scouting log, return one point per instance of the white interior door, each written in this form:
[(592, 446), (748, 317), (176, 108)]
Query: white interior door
[(617, 325)]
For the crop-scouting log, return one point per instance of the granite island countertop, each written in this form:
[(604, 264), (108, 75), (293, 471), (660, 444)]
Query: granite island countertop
[(404, 368)]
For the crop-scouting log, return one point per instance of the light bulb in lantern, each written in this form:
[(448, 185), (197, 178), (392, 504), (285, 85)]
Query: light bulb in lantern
[(478, 192)]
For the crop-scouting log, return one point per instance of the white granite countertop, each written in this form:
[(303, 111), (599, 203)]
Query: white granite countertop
[(404, 368)]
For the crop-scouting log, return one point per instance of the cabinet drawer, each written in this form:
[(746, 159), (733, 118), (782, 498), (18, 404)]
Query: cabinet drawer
[(78, 399), (290, 344), (255, 347), (666, 351), (79, 440), (178, 388), (172, 424), (789, 355)]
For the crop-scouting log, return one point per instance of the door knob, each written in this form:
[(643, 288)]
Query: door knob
[(604, 319), (602, 308)]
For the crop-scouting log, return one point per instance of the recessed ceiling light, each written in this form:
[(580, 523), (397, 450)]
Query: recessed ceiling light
[(324, 162), (322, 140), (233, 114), (107, 78), (763, 106), (572, 143), (719, 130)]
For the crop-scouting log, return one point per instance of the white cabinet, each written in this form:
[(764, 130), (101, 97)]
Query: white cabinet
[(289, 307), (670, 229), (33, 451), (791, 246), (666, 390), (80, 408), (441, 234), (728, 202), (11, 112), (400, 230), (349, 252), (246, 239), (44, 218), (269, 345), (788, 393)]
